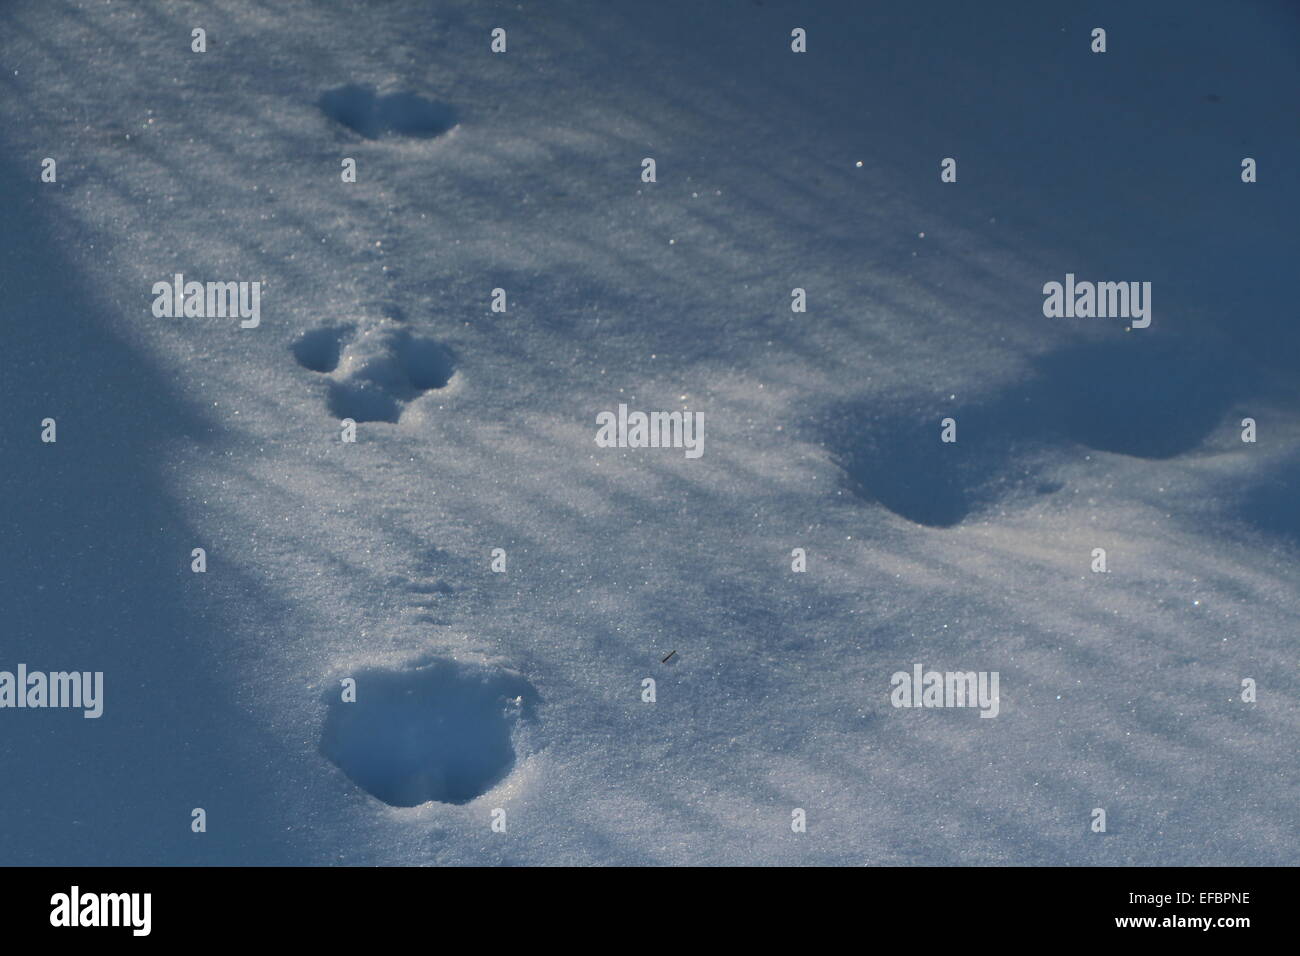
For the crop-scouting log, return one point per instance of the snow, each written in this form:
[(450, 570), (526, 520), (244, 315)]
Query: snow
[(521, 171)]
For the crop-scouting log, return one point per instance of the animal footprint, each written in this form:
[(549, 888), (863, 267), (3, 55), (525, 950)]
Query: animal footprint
[(1145, 400), (374, 374), (1270, 504), (373, 116), (319, 349), (444, 731)]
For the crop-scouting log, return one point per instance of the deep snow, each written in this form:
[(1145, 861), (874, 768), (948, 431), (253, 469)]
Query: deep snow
[(775, 170)]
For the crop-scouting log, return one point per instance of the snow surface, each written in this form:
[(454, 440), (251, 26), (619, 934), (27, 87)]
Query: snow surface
[(775, 170)]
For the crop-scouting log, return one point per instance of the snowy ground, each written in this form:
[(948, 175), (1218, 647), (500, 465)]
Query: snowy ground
[(775, 170)]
